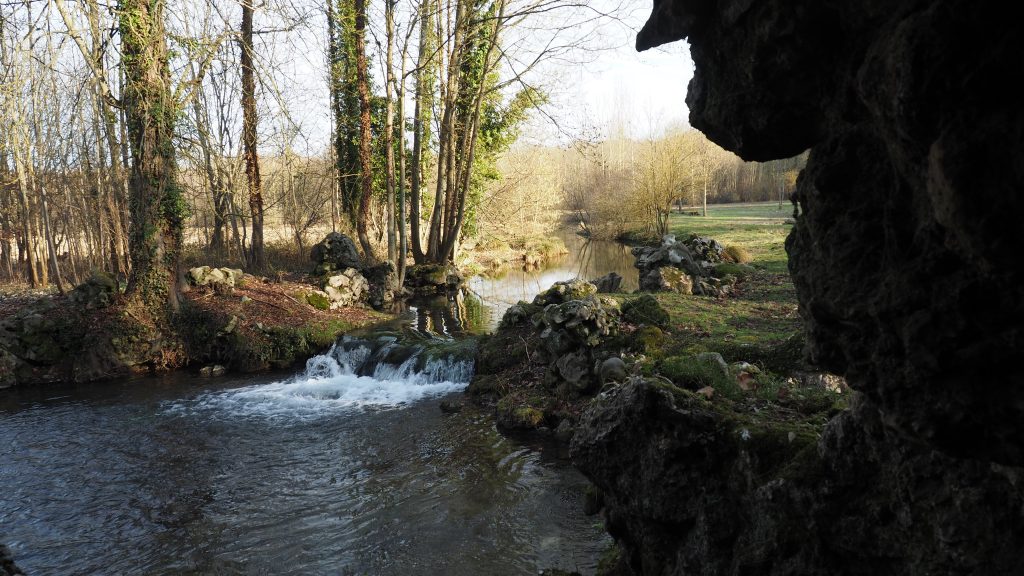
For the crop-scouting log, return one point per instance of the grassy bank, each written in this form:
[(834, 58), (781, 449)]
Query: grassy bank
[(762, 313)]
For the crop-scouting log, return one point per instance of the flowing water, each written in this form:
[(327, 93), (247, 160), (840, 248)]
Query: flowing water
[(481, 304), (346, 468)]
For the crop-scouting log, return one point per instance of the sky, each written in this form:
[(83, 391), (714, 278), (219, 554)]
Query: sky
[(604, 87), (620, 89)]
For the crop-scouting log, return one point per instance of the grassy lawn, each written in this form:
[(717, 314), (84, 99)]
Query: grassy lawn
[(756, 322)]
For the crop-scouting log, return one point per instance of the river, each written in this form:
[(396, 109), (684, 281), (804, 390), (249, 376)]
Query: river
[(336, 469), (479, 307)]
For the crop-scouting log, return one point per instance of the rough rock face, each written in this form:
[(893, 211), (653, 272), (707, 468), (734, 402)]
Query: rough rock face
[(908, 267), (905, 252), (692, 489), (334, 253)]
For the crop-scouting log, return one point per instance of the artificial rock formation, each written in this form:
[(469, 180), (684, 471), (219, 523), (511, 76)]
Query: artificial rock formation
[(908, 269)]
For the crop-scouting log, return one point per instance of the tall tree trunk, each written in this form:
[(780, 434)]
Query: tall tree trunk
[(402, 242), (252, 161), (157, 207), (51, 246), (363, 86), (425, 69), (389, 126), (26, 218)]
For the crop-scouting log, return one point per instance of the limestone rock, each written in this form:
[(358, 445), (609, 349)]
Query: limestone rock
[(221, 280), (667, 279), (345, 289), (383, 285), (612, 370)]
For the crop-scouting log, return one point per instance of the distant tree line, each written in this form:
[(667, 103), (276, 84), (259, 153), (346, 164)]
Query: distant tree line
[(619, 184)]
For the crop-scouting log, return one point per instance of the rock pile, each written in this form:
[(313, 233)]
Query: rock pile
[(98, 291), (430, 279), (345, 289), (220, 279), (685, 266), (335, 253)]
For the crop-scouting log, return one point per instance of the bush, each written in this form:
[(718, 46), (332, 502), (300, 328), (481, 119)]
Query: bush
[(737, 254), (645, 310)]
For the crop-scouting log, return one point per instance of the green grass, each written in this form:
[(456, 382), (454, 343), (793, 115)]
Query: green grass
[(754, 323), (756, 212)]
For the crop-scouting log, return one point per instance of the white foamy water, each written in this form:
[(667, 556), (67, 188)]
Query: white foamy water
[(332, 382)]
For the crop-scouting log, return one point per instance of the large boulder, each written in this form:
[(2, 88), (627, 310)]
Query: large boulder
[(335, 253)]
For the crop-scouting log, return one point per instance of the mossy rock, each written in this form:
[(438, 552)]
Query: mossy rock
[(566, 291), (514, 413), (500, 351), (649, 340), (694, 373), (483, 385), (645, 310), (318, 301), (737, 271)]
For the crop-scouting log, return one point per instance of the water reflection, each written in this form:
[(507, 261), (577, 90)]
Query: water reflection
[(481, 304)]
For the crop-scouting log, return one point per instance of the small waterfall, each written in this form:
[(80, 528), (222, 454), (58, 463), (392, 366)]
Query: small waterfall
[(380, 373)]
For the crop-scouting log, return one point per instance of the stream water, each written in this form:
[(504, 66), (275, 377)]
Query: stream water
[(347, 467), (479, 307)]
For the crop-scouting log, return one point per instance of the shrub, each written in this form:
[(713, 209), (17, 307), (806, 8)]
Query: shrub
[(737, 254)]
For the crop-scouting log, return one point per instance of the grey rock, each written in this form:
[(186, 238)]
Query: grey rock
[(612, 370), (334, 253), (715, 359), (608, 284)]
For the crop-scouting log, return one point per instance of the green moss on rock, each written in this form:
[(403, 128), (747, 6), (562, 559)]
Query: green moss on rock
[(645, 310)]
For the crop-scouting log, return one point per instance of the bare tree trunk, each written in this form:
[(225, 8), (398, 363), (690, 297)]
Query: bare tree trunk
[(26, 220), (363, 86), (424, 96), (402, 247), (389, 126), (49, 241), (252, 161)]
